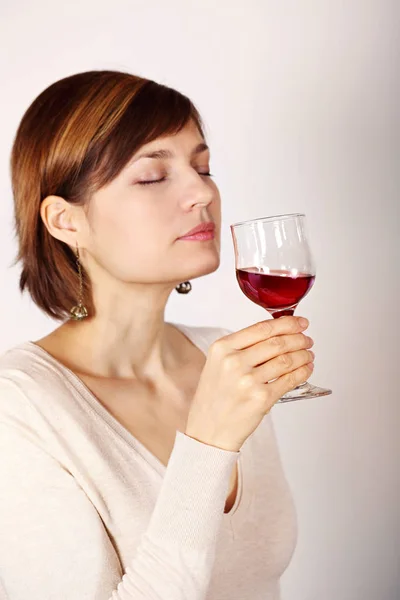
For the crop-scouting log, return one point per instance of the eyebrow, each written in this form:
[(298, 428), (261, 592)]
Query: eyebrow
[(202, 147)]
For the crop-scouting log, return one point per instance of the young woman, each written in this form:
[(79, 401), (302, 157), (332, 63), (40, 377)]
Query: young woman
[(137, 456)]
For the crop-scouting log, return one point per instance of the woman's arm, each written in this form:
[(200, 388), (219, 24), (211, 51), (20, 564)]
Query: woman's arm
[(53, 543)]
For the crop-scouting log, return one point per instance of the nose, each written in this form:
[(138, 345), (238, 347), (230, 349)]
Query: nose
[(198, 191)]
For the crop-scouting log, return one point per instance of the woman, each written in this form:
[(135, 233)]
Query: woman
[(137, 456)]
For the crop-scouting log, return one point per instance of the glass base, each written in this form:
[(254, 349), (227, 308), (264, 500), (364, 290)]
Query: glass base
[(305, 390)]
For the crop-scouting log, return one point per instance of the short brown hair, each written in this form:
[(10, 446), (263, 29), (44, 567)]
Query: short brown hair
[(74, 138)]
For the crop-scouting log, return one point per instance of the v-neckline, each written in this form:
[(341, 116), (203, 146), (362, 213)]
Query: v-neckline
[(201, 343), (102, 411)]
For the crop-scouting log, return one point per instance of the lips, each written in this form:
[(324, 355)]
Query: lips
[(208, 226)]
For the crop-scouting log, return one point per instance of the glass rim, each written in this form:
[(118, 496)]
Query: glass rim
[(267, 219)]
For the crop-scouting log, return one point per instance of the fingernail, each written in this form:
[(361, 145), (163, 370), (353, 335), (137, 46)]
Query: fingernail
[(303, 322), (312, 354)]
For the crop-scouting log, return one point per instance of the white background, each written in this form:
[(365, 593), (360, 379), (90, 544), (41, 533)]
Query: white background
[(301, 102)]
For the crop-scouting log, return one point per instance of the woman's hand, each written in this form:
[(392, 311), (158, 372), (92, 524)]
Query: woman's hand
[(245, 373)]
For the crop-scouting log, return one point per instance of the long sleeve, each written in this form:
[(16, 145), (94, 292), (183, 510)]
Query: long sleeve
[(53, 544)]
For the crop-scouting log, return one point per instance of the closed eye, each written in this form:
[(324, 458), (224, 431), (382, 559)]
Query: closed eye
[(152, 181), (165, 178)]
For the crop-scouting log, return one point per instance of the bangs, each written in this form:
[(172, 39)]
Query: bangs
[(155, 111)]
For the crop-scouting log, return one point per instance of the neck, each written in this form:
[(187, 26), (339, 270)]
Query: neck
[(127, 337)]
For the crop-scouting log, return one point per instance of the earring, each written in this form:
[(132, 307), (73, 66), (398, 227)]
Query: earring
[(184, 287), (79, 311)]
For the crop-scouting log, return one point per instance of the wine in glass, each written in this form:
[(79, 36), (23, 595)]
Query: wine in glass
[(275, 269)]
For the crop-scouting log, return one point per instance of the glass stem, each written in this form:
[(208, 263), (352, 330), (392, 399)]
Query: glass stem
[(284, 312)]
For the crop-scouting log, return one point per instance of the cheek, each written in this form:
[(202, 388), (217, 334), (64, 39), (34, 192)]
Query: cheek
[(129, 224), (132, 241)]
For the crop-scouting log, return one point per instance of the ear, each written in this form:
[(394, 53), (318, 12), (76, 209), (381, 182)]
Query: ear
[(62, 219)]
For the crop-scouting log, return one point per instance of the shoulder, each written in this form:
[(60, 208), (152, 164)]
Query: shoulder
[(203, 335), (27, 363), (30, 382)]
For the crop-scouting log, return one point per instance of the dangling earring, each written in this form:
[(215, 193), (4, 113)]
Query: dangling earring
[(79, 311), (184, 287)]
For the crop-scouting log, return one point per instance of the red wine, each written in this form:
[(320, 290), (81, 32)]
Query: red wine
[(276, 291)]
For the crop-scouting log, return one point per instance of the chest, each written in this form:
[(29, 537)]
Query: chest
[(256, 538), (152, 420)]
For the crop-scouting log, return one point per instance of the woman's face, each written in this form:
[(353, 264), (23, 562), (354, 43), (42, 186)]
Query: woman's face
[(136, 220)]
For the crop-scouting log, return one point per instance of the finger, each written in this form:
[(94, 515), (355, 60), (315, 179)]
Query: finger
[(288, 382), (263, 330), (274, 346), (283, 364)]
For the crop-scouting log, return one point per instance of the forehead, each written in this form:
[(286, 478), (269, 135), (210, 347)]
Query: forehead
[(187, 138), (188, 142)]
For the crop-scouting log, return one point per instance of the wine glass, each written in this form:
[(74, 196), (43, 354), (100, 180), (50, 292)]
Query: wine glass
[(275, 269)]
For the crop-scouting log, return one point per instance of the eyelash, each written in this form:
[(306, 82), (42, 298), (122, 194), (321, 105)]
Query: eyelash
[(164, 179)]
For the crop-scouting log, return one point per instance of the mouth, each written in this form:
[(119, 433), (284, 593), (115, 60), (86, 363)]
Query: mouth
[(201, 232)]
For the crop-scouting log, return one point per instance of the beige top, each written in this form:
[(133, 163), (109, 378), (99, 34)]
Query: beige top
[(88, 513)]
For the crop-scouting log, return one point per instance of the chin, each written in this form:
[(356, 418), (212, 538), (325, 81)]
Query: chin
[(207, 267)]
